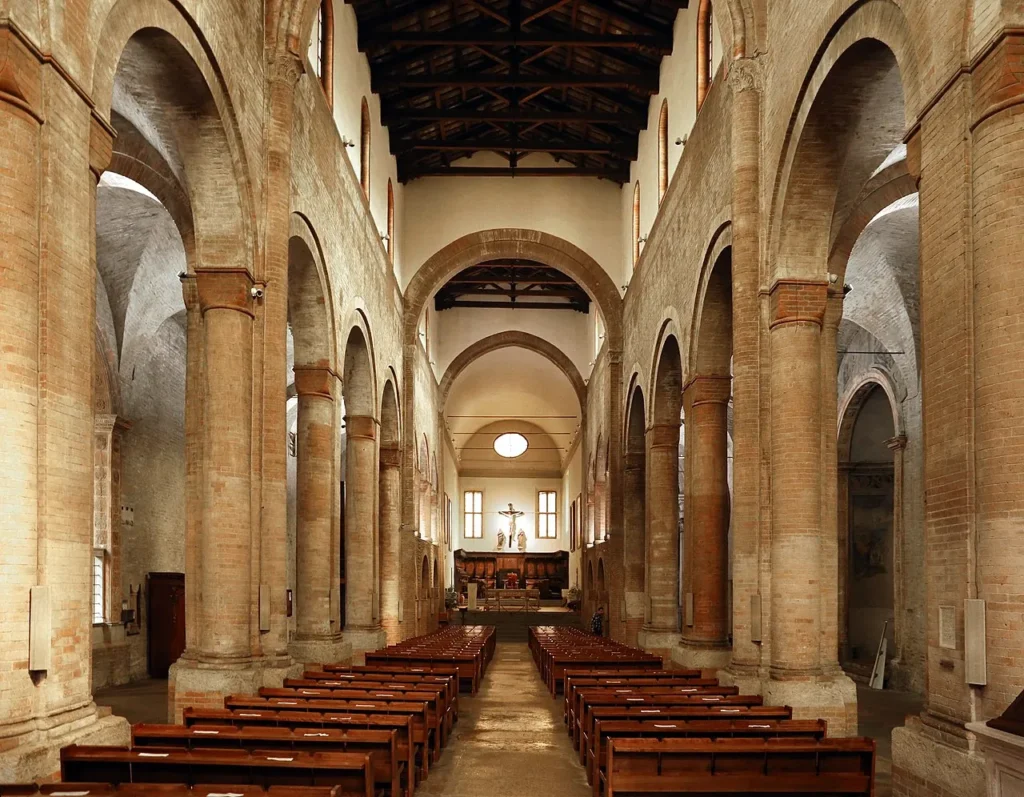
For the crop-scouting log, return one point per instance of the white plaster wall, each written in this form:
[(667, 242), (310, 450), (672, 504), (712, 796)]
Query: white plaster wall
[(572, 486), (678, 84), (454, 491), (584, 211), (522, 493)]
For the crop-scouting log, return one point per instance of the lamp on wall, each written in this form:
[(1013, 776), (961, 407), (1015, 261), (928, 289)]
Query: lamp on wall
[(642, 239), (680, 142), (347, 142), (385, 238)]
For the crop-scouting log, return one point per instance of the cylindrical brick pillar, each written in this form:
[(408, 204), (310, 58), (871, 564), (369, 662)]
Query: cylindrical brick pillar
[(19, 397), (226, 593), (360, 506), (634, 521), (314, 488), (662, 527), (829, 639), (390, 500), (707, 510), (797, 311), (194, 398)]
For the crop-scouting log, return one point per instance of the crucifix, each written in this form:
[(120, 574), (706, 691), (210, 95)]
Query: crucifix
[(512, 514)]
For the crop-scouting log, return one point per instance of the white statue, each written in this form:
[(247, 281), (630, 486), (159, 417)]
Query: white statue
[(501, 539), (512, 514), (521, 540)]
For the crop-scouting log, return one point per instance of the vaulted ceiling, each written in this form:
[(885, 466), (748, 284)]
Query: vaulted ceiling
[(570, 78)]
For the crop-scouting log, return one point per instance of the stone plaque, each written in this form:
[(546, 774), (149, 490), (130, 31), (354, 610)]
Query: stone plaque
[(947, 627)]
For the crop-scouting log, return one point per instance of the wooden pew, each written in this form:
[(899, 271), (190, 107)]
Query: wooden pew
[(351, 771), (411, 748), (163, 790), (380, 745), (450, 682), (584, 723), (576, 678), (694, 686), (435, 716), (698, 728), (739, 766), (423, 732)]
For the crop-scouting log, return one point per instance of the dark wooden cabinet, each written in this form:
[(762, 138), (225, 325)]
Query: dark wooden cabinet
[(165, 621)]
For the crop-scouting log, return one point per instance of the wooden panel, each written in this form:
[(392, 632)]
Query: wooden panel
[(165, 621)]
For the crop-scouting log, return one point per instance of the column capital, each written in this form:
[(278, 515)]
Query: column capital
[(189, 290), (101, 146), (897, 443), (745, 75), (225, 289), (315, 380), (708, 390), (285, 68), (663, 435), (798, 301), (364, 426)]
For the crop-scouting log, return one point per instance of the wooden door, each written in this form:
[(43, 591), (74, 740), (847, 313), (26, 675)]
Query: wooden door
[(166, 621)]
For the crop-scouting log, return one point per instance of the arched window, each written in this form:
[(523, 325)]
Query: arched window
[(663, 151), (705, 50), (391, 223), (636, 223), (364, 149), (321, 49)]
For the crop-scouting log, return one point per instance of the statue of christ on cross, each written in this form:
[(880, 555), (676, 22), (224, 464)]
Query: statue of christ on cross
[(512, 514)]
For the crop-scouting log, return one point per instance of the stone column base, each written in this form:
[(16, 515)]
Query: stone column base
[(747, 680), (36, 755), (1004, 759), (658, 642), (204, 685), (831, 698), (924, 762), (323, 650), (692, 657), (364, 640)]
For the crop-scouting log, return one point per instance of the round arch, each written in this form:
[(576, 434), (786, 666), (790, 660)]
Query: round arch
[(852, 402), (721, 243), (310, 301), (518, 243), (507, 340)]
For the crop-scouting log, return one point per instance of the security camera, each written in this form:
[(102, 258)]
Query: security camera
[(256, 291)]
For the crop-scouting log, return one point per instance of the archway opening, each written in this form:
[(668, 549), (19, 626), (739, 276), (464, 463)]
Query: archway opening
[(634, 542), (390, 513)]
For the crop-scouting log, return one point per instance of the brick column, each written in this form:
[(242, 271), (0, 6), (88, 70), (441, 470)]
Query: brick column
[(829, 640), (797, 677), (317, 632), (390, 498), (194, 398), (705, 640), (744, 79), (633, 545), (898, 445), (361, 476), (661, 631), (225, 630), (52, 152)]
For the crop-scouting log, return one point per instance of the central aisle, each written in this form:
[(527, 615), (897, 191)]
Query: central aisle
[(510, 739)]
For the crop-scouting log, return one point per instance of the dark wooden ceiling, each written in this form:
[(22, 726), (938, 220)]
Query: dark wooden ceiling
[(505, 284), (572, 78)]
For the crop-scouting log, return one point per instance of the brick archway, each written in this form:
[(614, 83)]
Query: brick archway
[(507, 340)]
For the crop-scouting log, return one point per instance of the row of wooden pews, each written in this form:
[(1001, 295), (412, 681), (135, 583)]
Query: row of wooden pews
[(640, 729), (369, 730)]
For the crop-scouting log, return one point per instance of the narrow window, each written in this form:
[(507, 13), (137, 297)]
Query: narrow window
[(321, 49), (364, 149), (473, 528), (705, 50), (663, 151), (547, 515), (99, 564), (391, 223), (636, 223)]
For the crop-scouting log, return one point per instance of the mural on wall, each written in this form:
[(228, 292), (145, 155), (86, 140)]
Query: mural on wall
[(871, 525)]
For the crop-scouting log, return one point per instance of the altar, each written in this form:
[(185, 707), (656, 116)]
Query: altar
[(512, 600)]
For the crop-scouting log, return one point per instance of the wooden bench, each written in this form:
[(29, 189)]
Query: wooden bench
[(422, 730), (380, 745), (434, 716), (699, 728), (738, 766), (693, 686), (584, 725), (410, 748), (450, 682), (574, 680), (352, 772), (162, 789)]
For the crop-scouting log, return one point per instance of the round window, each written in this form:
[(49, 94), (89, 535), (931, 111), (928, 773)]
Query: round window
[(511, 445)]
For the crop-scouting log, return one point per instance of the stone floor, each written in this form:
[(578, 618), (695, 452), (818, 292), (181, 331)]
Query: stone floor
[(511, 737)]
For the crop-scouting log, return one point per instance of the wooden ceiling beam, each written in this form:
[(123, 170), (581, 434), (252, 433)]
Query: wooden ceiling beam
[(618, 175), (643, 82), (481, 145), (656, 43), (446, 305)]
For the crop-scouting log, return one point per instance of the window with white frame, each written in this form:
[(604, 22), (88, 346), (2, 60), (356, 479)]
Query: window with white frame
[(99, 565), (473, 527), (547, 515)]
